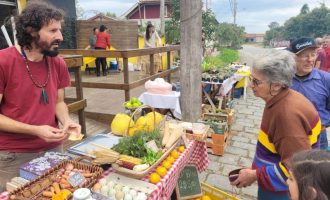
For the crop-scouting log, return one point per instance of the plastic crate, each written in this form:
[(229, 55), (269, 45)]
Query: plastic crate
[(215, 193)]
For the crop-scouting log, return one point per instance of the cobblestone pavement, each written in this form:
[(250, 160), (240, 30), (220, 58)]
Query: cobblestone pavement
[(240, 147)]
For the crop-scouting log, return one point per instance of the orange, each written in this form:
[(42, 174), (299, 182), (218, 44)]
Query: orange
[(205, 197), (154, 178), (170, 159), (181, 149), (175, 154), (166, 164), (161, 171)]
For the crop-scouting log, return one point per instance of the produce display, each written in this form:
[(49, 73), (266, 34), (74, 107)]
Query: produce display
[(60, 182), (123, 188), (133, 103)]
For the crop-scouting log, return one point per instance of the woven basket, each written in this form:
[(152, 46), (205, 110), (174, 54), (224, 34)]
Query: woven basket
[(33, 190), (141, 174)]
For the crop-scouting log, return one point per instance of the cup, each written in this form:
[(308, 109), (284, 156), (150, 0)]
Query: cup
[(233, 175)]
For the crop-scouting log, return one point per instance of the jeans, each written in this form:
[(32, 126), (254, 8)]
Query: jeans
[(323, 139), (10, 163), (101, 61), (267, 195)]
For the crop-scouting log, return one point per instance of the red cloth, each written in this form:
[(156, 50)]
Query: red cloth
[(21, 98), (195, 154), (321, 57), (326, 67), (102, 40)]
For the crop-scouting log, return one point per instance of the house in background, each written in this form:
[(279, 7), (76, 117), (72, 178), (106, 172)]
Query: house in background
[(146, 11), (101, 17), (254, 37)]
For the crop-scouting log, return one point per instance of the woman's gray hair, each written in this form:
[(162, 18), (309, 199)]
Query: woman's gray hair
[(278, 66)]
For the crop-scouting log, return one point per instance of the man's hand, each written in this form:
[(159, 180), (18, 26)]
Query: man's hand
[(50, 134), (246, 178), (72, 128)]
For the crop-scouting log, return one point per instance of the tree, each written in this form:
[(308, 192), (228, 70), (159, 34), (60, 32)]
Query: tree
[(172, 27), (304, 9), (228, 34), (312, 24), (209, 24), (274, 34), (110, 14)]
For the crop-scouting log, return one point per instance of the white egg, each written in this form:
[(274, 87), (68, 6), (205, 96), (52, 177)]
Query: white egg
[(133, 193), (118, 187), (126, 189), (112, 192), (111, 185), (104, 190), (141, 196), (128, 197)]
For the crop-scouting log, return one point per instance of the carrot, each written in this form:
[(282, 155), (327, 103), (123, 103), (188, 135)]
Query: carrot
[(47, 193), (56, 187)]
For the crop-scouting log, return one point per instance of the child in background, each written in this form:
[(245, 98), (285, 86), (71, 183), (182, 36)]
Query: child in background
[(310, 175)]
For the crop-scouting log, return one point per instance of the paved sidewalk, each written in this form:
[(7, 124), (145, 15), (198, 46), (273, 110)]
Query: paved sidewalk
[(240, 147)]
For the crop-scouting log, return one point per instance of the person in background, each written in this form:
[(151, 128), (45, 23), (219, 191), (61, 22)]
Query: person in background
[(102, 42), (33, 115), (320, 54), (326, 47), (151, 37), (151, 40), (290, 124), (310, 175), (92, 39), (314, 84)]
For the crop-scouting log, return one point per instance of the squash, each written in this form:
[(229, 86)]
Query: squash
[(119, 124)]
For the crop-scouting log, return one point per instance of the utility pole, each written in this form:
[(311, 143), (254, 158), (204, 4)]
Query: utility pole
[(162, 17), (191, 58), (235, 10)]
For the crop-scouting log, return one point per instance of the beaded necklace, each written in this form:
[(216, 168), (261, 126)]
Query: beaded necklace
[(43, 96)]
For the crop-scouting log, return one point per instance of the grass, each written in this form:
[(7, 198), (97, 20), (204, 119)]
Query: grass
[(224, 58)]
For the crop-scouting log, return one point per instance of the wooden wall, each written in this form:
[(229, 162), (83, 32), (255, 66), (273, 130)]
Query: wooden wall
[(124, 34)]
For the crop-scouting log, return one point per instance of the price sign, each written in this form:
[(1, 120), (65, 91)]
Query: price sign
[(76, 179), (188, 185)]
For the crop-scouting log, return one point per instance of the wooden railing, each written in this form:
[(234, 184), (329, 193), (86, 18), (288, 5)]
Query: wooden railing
[(125, 54), (126, 86), (77, 104)]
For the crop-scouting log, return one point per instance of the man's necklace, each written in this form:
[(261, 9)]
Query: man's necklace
[(43, 96)]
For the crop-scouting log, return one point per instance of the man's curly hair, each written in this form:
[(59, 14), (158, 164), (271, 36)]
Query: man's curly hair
[(32, 19)]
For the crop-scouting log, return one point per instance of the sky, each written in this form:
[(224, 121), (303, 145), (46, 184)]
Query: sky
[(254, 15)]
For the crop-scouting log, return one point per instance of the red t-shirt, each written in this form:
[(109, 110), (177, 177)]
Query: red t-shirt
[(21, 98), (102, 40), (326, 67)]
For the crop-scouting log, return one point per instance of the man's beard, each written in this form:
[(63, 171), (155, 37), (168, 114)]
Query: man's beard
[(45, 48)]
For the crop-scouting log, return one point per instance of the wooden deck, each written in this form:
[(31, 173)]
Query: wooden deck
[(105, 100)]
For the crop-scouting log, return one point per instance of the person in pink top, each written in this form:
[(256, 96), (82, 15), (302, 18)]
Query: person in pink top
[(102, 42), (33, 115)]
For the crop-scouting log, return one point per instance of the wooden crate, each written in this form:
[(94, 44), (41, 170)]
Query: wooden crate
[(216, 143)]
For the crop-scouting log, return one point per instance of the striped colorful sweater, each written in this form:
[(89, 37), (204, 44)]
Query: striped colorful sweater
[(290, 124)]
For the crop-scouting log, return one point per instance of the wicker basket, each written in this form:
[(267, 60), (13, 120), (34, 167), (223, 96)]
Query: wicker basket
[(141, 174), (33, 190)]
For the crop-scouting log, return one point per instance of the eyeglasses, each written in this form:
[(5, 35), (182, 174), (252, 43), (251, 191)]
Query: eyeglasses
[(254, 81)]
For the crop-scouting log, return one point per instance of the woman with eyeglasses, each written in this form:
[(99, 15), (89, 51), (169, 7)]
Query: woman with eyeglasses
[(289, 124)]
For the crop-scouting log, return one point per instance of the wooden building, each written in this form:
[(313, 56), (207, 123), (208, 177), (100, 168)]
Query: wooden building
[(146, 11)]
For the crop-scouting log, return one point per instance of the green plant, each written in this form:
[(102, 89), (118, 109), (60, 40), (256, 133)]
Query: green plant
[(135, 145)]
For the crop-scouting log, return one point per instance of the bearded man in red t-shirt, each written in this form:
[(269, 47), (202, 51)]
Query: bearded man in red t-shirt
[(32, 82)]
